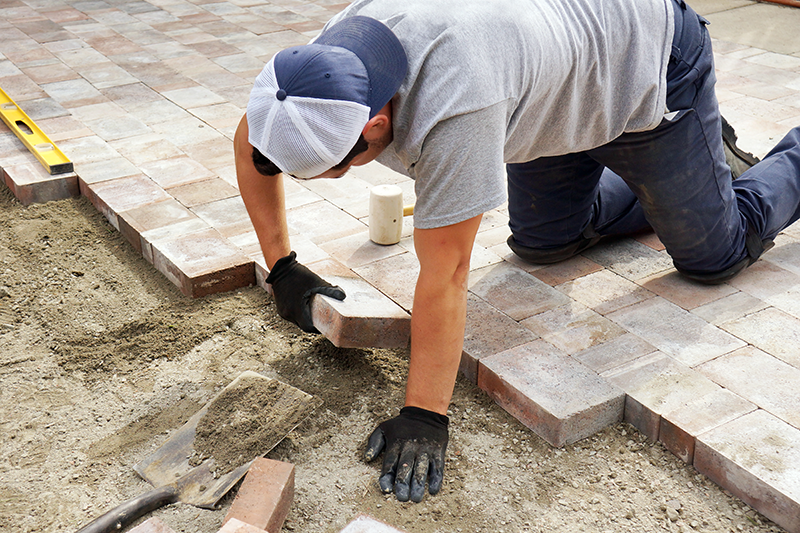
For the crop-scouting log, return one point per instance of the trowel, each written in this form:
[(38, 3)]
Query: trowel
[(188, 468)]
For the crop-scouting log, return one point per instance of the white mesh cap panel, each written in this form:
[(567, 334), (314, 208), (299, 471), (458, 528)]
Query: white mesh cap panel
[(302, 136)]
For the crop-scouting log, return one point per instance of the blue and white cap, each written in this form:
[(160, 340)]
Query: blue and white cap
[(310, 103)]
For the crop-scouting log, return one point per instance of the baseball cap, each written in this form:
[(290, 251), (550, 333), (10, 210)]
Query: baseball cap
[(310, 103)]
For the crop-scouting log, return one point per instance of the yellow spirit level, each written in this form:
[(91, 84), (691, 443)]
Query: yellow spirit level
[(48, 154)]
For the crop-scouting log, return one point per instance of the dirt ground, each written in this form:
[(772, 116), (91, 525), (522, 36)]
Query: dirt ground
[(102, 358)]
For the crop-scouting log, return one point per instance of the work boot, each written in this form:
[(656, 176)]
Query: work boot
[(739, 160)]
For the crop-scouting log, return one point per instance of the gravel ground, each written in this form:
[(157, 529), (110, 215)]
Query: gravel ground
[(102, 358)]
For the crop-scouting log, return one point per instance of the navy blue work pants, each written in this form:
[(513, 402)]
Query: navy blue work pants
[(673, 179)]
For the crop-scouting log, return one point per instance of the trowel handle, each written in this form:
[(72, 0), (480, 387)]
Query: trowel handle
[(125, 513)]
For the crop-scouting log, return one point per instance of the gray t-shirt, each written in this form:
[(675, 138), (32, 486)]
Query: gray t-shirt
[(506, 81)]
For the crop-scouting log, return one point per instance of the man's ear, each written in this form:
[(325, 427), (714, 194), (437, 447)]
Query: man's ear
[(379, 124)]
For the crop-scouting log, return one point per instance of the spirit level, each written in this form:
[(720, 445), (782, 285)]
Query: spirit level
[(34, 139)]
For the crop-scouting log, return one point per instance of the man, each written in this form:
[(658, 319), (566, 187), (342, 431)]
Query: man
[(601, 112)]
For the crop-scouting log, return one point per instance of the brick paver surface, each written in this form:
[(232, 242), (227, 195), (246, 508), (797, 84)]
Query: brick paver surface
[(145, 96)]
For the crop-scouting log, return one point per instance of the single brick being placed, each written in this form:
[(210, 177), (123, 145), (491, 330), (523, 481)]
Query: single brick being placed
[(366, 318), (366, 524), (265, 496), (560, 399), (757, 458)]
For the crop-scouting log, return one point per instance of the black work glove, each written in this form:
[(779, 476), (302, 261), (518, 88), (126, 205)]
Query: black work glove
[(293, 285), (415, 444)]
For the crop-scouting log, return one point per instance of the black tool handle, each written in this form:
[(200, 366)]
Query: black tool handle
[(125, 513)]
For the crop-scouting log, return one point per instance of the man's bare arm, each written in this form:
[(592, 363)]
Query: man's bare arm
[(293, 285), (264, 199), (415, 442), (439, 313)]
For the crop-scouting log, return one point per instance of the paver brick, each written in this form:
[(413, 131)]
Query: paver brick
[(682, 291), (557, 397), (765, 279), (358, 250), (771, 330), (482, 257), (228, 216), (175, 171), (515, 292), (170, 232), (63, 128), (629, 258), (366, 524), (614, 353), (117, 128), (203, 192), (787, 301), (203, 263), (689, 339), (757, 458), (152, 525), (365, 318), (650, 239), (109, 169), (729, 308), (31, 183), (487, 332), (184, 132), (297, 196), (575, 267), (657, 384), (572, 327), (680, 427), (492, 236), (760, 378), (214, 153), (145, 148), (785, 254), (248, 243), (321, 222), (394, 276), (265, 496), (122, 194), (134, 222), (604, 291), (348, 193), (307, 251)]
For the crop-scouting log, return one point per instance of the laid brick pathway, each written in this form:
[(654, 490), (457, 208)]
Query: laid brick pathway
[(144, 97)]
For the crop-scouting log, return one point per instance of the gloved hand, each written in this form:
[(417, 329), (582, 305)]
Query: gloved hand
[(415, 444), (293, 285)]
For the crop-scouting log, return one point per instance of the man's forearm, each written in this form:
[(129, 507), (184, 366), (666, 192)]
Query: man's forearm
[(264, 199), (437, 336), (439, 313)]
